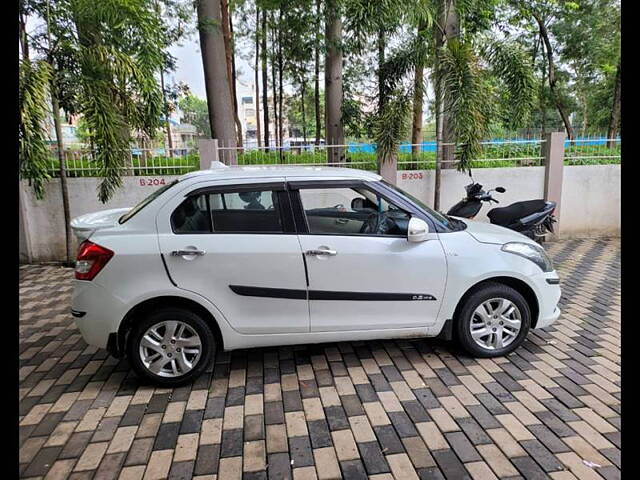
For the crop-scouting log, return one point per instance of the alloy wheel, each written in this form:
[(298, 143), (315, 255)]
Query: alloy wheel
[(170, 348), (495, 323)]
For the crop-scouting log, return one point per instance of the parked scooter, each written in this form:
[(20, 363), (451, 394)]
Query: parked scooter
[(533, 218)]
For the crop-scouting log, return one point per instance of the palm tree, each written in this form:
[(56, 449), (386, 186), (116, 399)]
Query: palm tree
[(461, 66)]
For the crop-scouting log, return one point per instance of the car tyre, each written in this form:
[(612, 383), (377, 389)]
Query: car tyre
[(191, 347), (475, 315)]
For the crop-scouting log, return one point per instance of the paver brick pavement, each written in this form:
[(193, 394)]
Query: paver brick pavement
[(386, 409)]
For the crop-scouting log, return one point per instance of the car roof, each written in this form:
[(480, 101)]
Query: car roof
[(266, 171)]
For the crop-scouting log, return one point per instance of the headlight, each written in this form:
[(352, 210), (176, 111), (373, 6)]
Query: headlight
[(531, 252)]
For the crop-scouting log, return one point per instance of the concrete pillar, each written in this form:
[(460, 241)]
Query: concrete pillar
[(208, 150), (23, 229), (553, 152), (389, 170)]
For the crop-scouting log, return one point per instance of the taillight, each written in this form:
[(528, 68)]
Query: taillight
[(91, 259)]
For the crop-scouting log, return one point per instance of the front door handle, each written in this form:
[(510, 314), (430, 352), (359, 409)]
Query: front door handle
[(321, 251), (184, 253)]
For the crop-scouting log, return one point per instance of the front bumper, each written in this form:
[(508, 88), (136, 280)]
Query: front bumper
[(548, 293)]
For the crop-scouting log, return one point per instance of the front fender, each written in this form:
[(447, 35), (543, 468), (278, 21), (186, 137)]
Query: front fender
[(470, 262)]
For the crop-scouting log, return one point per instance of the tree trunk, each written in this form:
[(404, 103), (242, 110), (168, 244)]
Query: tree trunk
[(418, 97), (334, 129), (304, 118), (544, 34), (265, 84), (418, 100), (439, 121), (24, 43), (316, 79), (614, 121), (585, 113), (543, 105), (63, 178), (382, 93), (166, 109), (227, 31), (274, 86), (219, 102), (257, 101), (451, 24), (280, 89), (380, 44), (233, 83)]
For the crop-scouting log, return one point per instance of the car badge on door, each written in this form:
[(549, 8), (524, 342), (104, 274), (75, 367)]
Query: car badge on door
[(423, 297)]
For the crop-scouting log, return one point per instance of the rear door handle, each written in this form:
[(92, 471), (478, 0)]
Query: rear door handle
[(321, 251), (183, 253)]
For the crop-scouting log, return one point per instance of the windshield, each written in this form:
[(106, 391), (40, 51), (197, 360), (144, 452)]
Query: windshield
[(444, 220), (146, 201)]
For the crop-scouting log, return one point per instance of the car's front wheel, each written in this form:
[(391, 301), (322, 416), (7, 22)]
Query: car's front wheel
[(493, 321), (170, 347)]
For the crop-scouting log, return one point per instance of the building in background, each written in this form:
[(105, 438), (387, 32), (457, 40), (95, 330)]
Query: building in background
[(184, 137)]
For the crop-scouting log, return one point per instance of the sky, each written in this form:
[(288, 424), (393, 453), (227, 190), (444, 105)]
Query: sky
[(189, 69)]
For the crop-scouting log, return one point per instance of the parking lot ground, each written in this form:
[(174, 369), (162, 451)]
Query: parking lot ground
[(388, 409)]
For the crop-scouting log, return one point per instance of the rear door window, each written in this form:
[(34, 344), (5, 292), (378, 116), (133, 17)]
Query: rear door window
[(233, 212)]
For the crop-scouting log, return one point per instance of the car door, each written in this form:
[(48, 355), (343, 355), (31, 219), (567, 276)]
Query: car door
[(236, 246), (363, 273)]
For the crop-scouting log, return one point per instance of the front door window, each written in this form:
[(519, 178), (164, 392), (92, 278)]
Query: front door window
[(352, 211)]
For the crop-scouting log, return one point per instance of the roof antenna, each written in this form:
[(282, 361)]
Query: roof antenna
[(217, 164)]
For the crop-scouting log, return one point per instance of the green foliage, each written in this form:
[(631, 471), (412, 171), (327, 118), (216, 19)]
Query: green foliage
[(391, 125), (466, 93), (294, 112), (195, 111), (34, 152), (120, 53), (511, 66)]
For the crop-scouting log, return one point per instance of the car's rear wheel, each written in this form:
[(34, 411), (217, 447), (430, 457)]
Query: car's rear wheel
[(170, 347), (493, 321)]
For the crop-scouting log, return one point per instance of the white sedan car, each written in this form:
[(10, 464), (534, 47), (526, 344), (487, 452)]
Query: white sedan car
[(239, 257)]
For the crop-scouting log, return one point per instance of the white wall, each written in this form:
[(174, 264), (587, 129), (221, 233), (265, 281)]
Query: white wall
[(45, 218), (521, 183), (590, 200)]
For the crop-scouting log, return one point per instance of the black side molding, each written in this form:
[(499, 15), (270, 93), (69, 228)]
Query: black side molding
[(553, 281), (269, 292), (296, 294), (77, 313), (367, 296)]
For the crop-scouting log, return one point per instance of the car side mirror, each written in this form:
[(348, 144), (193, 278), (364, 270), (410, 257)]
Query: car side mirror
[(418, 230)]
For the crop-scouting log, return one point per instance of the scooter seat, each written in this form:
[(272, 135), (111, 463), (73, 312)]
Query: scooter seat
[(507, 215)]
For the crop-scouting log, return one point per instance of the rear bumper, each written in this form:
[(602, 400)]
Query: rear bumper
[(97, 314)]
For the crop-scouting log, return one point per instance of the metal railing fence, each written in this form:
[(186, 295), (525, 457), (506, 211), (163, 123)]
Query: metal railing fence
[(83, 162)]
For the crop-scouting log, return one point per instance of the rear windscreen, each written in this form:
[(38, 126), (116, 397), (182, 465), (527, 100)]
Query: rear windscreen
[(146, 201)]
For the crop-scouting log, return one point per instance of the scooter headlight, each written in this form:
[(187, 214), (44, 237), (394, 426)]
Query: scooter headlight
[(531, 252)]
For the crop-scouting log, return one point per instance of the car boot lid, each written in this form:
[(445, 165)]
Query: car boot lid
[(85, 225)]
